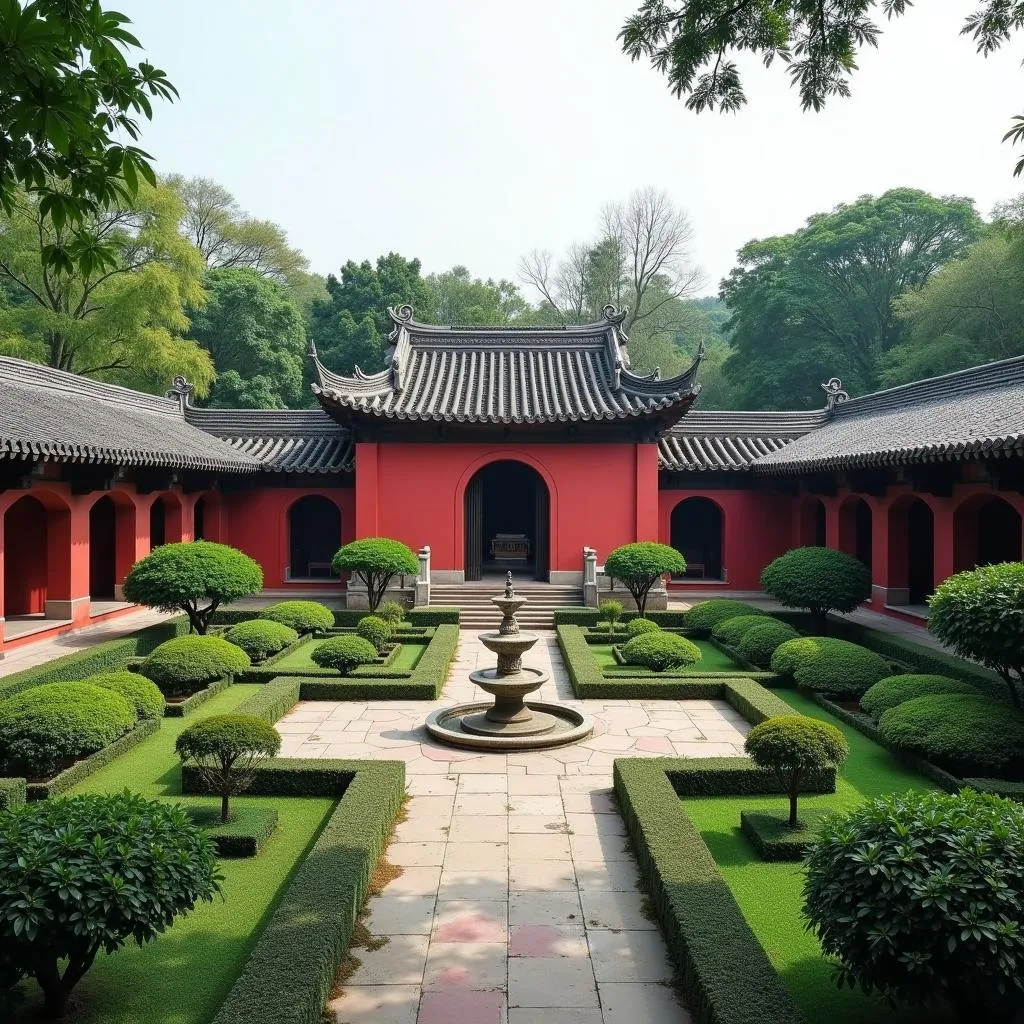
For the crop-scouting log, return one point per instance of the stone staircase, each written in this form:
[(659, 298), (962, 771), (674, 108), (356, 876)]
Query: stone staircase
[(474, 602)]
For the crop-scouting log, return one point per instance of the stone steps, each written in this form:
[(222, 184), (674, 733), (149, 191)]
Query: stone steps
[(477, 612)]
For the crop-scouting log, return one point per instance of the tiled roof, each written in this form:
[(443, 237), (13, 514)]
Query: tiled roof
[(50, 414), (506, 375), (286, 441), (977, 412)]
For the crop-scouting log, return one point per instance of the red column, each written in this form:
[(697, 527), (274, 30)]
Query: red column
[(67, 592), (832, 523), (944, 536), (647, 492), (367, 473)]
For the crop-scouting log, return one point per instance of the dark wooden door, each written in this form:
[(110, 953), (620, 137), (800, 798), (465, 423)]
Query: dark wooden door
[(543, 530), (474, 528)]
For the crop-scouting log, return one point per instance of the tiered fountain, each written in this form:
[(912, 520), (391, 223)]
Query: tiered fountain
[(509, 723)]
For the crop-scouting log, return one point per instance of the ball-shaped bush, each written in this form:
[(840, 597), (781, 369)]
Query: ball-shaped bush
[(969, 733), (375, 629), (189, 663), (731, 631), (640, 565), (46, 726), (843, 669), (909, 909), (302, 616), (261, 638), (659, 651), (708, 614), (392, 611), (636, 627), (344, 653), (760, 642), (818, 579), (895, 690), (142, 693), (610, 612), (792, 654)]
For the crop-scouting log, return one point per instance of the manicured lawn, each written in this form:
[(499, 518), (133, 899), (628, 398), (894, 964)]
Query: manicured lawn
[(183, 977), (409, 653), (712, 660), (769, 894)]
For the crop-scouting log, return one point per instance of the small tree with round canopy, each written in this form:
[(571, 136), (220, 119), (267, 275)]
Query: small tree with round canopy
[(195, 577), (610, 612), (375, 562), (822, 580), (639, 566)]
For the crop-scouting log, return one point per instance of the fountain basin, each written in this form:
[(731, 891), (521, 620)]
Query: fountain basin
[(559, 725)]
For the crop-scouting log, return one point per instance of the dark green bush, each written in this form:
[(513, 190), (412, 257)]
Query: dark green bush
[(708, 614), (731, 631), (818, 579), (972, 734), (922, 893), (302, 616), (344, 653), (375, 562), (42, 728), (791, 655), (13, 792), (188, 663), (760, 642), (101, 870), (375, 629), (640, 565), (842, 668), (260, 638), (142, 693), (894, 690), (635, 627), (245, 834), (659, 651), (392, 612)]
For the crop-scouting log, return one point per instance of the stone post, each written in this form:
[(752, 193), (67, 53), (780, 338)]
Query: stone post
[(422, 597), (590, 599)]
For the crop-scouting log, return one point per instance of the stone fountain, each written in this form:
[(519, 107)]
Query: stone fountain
[(509, 722)]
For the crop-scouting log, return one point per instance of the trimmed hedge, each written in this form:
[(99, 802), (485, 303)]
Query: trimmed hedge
[(181, 708), (659, 651), (894, 690), (819, 579), (641, 625), (591, 617), (246, 833), (752, 700), (848, 671), (274, 700), (142, 693), (261, 638), (773, 839), (731, 631), (998, 787), (375, 629), (708, 614), (302, 616), (759, 643), (344, 653), (13, 793)]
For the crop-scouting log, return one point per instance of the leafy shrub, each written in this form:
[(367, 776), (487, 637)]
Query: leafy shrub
[(610, 612), (760, 642), (792, 746), (392, 611), (639, 566), (375, 562), (730, 631), (196, 577), (43, 727), (966, 731), (818, 579), (90, 864), (188, 663), (707, 614), (260, 638), (792, 654), (659, 651), (980, 615), (375, 629), (344, 653), (894, 690), (635, 627), (227, 749), (142, 693), (923, 893), (842, 668), (302, 616)]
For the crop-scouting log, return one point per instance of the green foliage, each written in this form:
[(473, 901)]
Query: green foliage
[(44, 727), (660, 650), (260, 638), (818, 579), (140, 692), (188, 663), (841, 668), (344, 653), (775, 839), (100, 870), (195, 577), (641, 625), (640, 565), (245, 834), (708, 614), (921, 893), (13, 793), (610, 612), (792, 655), (375, 629), (731, 631), (456, 297), (980, 615), (302, 616), (393, 612), (967, 733), (760, 642), (894, 690), (375, 562)]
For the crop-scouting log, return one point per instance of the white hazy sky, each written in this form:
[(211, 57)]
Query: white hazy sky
[(471, 131)]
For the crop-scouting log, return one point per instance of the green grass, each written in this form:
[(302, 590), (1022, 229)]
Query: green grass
[(712, 660), (769, 894), (184, 976), (409, 654)]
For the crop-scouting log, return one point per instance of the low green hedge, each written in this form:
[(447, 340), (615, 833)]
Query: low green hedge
[(730, 631), (705, 615), (261, 638), (181, 708), (998, 787), (274, 700), (591, 617), (752, 700), (13, 793), (432, 615), (758, 644), (733, 776), (246, 833), (773, 839), (849, 672)]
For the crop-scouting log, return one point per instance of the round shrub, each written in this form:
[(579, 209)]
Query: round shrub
[(89, 863), (260, 638), (635, 627), (46, 726), (392, 611), (660, 650), (302, 616), (375, 629), (760, 642), (142, 693), (818, 579), (730, 631), (967, 732), (708, 614), (910, 906), (188, 663), (791, 654), (843, 669), (610, 612), (344, 653), (640, 565), (894, 690)]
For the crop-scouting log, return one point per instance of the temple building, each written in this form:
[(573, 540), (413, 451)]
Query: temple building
[(531, 449)]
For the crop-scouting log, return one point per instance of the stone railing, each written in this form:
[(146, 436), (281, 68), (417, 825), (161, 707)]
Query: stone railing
[(590, 598), (422, 597)]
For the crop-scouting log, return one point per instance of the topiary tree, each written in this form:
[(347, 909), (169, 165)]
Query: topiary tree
[(818, 579), (919, 893), (188, 663), (196, 577), (375, 562), (892, 691), (980, 615), (344, 653), (707, 614), (841, 668), (610, 612), (142, 693), (793, 745), (641, 625), (393, 612), (759, 643), (302, 616), (639, 566), (731, 631), (260, 638), (100, 870), (227, 750), (375, 629), (659, 651)]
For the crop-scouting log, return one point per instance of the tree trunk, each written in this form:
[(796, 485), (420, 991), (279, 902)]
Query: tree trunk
[(794, 789), (55, 999), (819, 622), (225, 807), (640, 596)]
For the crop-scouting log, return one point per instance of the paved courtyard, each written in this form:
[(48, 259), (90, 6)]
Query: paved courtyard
[(518, 901)]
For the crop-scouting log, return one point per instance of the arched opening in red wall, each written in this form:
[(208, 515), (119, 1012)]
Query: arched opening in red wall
[(986, 530), (37, 556), (199, 520), (911, 551), (855, 529), (102, 550), (812, 524), (507, 521), (696, 532), (165, 521), (314, 535)]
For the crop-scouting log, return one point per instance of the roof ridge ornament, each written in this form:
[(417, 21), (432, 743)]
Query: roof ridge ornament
[(835, 395), (401, 316), (181, 390), (613, 314)]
